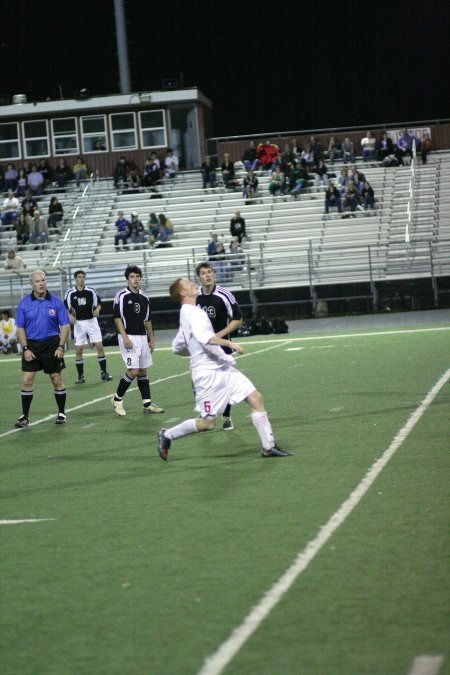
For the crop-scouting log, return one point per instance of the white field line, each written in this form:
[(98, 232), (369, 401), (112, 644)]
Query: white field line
[(104, 398), (215, 663), (25, 520), (274, 340), (426, 665)]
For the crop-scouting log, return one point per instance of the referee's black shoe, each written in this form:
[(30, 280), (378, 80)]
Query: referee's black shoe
[(276, 451), (80, 380), (61, 419), (106, 377), (22, 422)]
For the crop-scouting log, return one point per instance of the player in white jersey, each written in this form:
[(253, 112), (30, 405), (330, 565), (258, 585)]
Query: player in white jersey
[(216, 382)]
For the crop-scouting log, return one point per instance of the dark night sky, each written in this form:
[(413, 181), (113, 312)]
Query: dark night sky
[(267, 65)]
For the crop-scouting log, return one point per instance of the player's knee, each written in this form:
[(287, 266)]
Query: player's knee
[(205, 423), (255, 400)]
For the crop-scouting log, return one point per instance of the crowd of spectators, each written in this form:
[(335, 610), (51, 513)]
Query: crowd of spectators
[(127, 175), (157, 233), (39, 176)]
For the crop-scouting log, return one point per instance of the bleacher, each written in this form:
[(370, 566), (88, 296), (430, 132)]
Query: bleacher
[(291, 242)]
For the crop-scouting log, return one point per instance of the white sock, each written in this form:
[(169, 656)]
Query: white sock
[(182, 429), (262, 425)]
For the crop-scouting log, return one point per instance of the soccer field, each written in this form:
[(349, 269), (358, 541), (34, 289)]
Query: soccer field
[(330, 562)]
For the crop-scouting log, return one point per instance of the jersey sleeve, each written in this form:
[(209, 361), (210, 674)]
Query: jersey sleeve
[(237, 313), (20, 316), (63, 317), (201, 328), (179, 344)]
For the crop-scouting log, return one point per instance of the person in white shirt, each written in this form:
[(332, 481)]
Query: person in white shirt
[(368, 147), (171, 163), (14, 262), (10, 209), (215, 380), (8, 333)]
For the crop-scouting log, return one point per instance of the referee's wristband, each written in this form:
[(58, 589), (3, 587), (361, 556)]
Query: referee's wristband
[(61, 347), (25, 348)]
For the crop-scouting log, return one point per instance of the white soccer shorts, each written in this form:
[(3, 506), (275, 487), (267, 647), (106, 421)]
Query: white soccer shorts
[(87, 330), (214, 389), (140, 355)]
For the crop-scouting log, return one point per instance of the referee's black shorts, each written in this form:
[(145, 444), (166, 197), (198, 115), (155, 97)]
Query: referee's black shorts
[(44, 351)]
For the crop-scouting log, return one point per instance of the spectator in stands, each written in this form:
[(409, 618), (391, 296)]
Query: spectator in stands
[(46, 171), (152, 170), (227, 170), (307, 157), (298, 179), (63, 173), (343, 179), (8, 333), (236, 256), (368, 147), (208, 171), (153, 227), (14, 262), (10, 209), (165, 228), (22, 230), (316, 149), (368, 196), (10, 177), (55, 213), (220, 263), (212, 244), (426, 147), (134, 177), (333, 151), (266, 153), (384, 148), (22, 183), (332, 198), (171, 164), (250, 185), (321, 172), (352, 198), (277, 182), (405, 143), (35, 181), (137, 231), (80, 170), (120, 175), (348, 151), (122, 231), (38, 230), (296, 149), (237, 227), (358, 178), (287, 157), (99, 145), (249, 158)]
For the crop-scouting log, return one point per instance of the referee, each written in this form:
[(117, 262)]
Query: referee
[(42, 330), (83, 304)]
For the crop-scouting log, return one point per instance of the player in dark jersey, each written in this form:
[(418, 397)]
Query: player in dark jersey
[(83, 304), (133, 319), (223, 311)]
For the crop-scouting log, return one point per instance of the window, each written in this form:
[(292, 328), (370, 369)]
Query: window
[(35, 136), (123, 131), (65, 140), (93, 133), (9, 141), (153, 132)]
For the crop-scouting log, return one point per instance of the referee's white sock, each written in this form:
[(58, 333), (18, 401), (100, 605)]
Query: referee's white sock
[(182, 429), (263, 427)]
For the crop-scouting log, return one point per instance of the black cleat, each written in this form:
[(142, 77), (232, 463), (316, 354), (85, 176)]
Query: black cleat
[(227, 424), (61, 419), (22, 422), (276, 451), (106, 377), (80, 380), (163, 445)]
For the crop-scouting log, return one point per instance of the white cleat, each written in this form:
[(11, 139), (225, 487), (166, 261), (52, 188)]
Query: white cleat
[(118, 407)]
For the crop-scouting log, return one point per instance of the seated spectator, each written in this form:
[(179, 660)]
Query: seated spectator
[(35, 181), (316, 149), (14, 262), (368, 147), (122, 231), (208, 171), (23, 229), (165, 228), (358, 178), (220, 263), (307, 157), (368, 196), (227, 170), (333, 151), (343, 179), (134, 177), (171, 164), (137, 231), (212, 244), (296, 149), (120, 175), (426, 147), (298, 179), (55, 213), (348, 151), (63, 173), (22, 183), (249, 158), (332, 198), (10, 209), (80, 170), (287, 158), (321, 172), (404, 144), (152, 170), (277, 182), (384, 148), (266, 153), (38, 230), (352, 198), (8, 333), (237, 227), (236, 256), (153, 227), (10, 177), (46, 172), (250, 184)]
